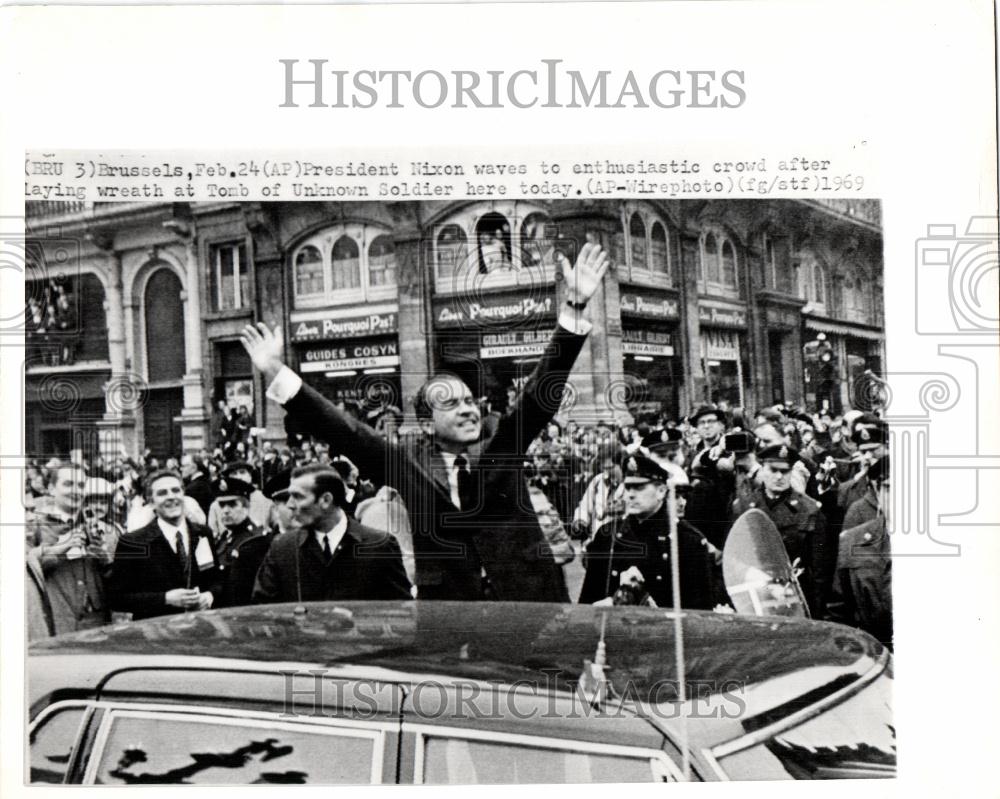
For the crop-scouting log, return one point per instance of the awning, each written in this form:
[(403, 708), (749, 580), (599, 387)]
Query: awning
[(842, 329)]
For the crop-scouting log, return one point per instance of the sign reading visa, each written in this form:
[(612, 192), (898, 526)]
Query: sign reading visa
[(346, 327), (648, 306), (490, 311)]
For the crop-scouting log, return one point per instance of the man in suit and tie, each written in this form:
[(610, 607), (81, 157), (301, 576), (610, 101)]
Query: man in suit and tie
[(475, 532), (330, 556), (169, 565)]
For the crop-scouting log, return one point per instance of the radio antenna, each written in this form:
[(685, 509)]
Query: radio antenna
[(675, 580)]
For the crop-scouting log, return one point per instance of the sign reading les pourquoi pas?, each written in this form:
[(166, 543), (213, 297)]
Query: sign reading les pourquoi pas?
[(490, 311), (326, 328)]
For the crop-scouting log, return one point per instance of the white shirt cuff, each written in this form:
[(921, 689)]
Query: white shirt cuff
[(574, 322), (285, 385)]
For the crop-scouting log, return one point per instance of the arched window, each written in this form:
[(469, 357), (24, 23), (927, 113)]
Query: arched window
[(637, 236), (537, 240), (346, 264), (719, 265), (710, 258), (660, 262), (382, 261), (308, 272), (451, 251), (493, 243), (818, 283), (164, 314), (728, 264)]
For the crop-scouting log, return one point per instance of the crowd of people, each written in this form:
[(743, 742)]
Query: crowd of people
[(821, 479), (470, 505)]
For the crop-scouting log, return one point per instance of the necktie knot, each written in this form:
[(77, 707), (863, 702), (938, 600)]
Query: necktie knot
[(327, 552)]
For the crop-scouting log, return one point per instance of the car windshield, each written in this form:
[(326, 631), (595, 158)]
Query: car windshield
[(853, 739)]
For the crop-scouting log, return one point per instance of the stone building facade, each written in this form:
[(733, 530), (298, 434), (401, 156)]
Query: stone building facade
[(134, 310)]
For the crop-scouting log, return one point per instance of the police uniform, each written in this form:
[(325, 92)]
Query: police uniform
[(235, 546), (645, 545), (800, 522)]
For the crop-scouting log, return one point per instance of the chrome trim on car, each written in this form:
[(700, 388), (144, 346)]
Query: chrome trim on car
[(348, 728), (801, 716), (656, 757), (53, 709)]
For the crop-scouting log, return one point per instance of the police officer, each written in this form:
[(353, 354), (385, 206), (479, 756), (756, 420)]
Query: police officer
[(798, 518), (232, 498), (639, 545)]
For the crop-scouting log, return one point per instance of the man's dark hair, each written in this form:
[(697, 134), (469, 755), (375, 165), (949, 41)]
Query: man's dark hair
[(325, 480), (157, 474), (421, 401)]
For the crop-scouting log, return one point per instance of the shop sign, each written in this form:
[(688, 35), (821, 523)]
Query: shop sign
[(488, 311), (514, 344), (647, 342), (649, 307), (345, 327), (720, 345), (722, 316), (362, 355)]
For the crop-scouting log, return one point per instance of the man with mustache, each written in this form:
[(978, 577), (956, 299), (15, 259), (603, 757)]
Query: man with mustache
[(475, 533)]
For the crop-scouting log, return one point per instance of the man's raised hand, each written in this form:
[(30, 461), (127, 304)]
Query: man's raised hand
[(584, 278), (265, 348)]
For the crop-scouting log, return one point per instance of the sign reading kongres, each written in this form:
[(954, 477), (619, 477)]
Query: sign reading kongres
[(362, 355), (327, 328), (648, 306), (488, 311)]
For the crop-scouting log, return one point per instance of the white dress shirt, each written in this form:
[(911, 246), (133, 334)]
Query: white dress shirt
[(334, 536), (170, 533)]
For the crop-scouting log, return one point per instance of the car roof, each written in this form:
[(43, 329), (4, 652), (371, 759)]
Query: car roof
[(493, 641)]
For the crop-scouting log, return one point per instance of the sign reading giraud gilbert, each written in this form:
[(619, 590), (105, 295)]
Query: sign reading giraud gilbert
[(327, 328), (489, 311), (648, 306), (721, 315)]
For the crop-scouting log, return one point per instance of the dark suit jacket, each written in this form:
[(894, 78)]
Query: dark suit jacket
[(502, 535), (145, 568), (366, 565)]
